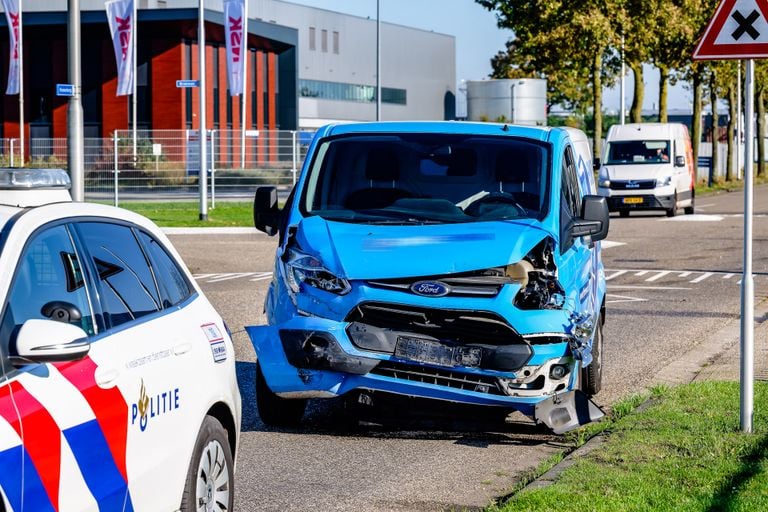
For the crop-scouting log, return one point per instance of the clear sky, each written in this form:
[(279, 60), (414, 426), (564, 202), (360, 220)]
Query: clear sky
[(478, 39)]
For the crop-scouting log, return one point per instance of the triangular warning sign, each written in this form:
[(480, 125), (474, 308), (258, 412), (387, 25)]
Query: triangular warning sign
[(738, 30)]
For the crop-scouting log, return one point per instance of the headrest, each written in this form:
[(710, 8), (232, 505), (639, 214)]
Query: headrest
[(463, 162), (516, 165), (382, 165)]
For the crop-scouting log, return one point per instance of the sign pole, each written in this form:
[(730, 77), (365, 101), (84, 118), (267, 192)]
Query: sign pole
[(75, 106), (747, 283), (202, 132)]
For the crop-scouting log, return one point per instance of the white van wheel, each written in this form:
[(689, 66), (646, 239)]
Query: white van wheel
[(689, 209), (673, 211)]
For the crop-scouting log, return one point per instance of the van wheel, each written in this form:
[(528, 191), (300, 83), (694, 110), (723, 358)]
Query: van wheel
[(273, 410), (673, 211), (689, 209), (209, 485), (592, 374)]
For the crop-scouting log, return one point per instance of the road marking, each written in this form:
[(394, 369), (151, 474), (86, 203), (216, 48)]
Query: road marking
[(613, 299), (617, 274), (203, 276), (607, 244), (227, 277), (639, 287), (702, 277), (263, 276), (728, 276), (685, 274), (658, 276), (694, 218), (642, 273)]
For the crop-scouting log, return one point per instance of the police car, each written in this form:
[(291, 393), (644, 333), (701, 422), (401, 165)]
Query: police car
[(117, 376)]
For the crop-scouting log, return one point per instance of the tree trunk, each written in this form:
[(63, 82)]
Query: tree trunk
[(597, 102), (760, 102), (636, 111), (733, 117), (663, 90), (715, 157), (696, 123)]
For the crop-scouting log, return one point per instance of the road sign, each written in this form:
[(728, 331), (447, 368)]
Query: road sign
[(738, 30), (194, 83), (65, 89)]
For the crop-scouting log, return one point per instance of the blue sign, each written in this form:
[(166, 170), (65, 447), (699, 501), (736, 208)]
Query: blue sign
[(187, 83), (65, 89)]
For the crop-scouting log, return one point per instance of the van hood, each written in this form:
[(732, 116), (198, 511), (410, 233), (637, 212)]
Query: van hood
[(364, 251), (638, 172)]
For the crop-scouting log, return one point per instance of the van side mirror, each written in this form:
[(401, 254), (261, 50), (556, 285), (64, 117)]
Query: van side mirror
[(266, 214), (679, 161), (594, 219), (596, 164)]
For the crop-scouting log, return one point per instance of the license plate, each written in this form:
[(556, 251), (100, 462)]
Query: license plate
[(433, 352), (633, 200)]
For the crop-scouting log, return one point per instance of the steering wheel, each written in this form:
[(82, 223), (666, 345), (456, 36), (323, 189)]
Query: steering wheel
[(494, 198)]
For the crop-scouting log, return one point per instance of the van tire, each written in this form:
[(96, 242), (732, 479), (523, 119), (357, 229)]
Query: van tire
[(592, 374), (689, 209), (273, 410), (673, 211), (211, 471)]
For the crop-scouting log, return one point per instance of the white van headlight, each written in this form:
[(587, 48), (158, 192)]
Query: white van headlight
[(603, 180), (663, 182), (303, 268)]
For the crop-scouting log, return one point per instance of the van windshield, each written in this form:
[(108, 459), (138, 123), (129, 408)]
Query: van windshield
[(417, 178), (637, 152)]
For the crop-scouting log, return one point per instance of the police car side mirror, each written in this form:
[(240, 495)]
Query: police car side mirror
[(266, 214), (594, 219), (49, 341), (679, 161)]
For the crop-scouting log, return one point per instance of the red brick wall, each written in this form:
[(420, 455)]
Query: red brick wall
[(167, 99)]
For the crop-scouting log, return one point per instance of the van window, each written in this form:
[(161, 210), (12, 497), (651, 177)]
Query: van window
[(637, 152)]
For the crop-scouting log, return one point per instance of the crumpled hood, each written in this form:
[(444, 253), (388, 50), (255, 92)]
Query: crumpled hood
[(363, 251), (639, 172)]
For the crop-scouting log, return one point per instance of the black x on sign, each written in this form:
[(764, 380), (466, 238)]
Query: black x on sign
[(738, 30)]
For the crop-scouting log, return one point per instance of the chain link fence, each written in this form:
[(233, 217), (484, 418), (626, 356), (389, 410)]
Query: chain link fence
[(163, 164)]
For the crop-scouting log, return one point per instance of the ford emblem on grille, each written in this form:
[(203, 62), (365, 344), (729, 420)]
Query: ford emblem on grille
[(430, 288)]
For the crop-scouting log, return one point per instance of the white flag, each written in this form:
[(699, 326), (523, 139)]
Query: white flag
[(235, 38), (13, 15), (123, 29)]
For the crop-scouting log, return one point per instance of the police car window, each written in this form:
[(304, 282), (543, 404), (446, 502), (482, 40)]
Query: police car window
[(127, 288), (49, 271), (174, 287)]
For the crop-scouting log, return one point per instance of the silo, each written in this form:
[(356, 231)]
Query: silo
[(519, 101)]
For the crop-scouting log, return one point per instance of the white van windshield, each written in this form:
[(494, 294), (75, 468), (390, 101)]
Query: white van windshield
[(626, 152), (427, 177)]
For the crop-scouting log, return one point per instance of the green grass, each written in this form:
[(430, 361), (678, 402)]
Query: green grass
[(683, 452), (187, 214)]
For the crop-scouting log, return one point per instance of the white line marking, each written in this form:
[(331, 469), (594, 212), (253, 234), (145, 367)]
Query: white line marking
[(694, 218), (657, 276), (634, 287), (702, 277), (641, 273), (227, 277), (263, 276), (617, 274), (203, 276), (727, 276), (685, 274), (622, 298)]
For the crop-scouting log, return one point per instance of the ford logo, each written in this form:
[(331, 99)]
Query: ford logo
[(430, 289)]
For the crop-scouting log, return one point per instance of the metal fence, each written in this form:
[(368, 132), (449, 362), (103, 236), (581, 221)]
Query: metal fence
[(158, 164)]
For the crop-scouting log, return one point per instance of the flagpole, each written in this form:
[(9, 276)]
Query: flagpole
[(134, 28), (244, 55), (21, 83), (202, 133)]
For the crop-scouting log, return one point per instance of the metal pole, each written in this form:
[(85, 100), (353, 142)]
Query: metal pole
[(213, 170), (21, 83), (378, 62), (201, 114), (747, 283), (134, 28), (12, 152), (623, 72), (116, 170), (75, 107), (243, 97), (738, 122), (295, 156)]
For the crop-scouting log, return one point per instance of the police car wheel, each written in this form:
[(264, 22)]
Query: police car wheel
[(273, 410), (592, 374), (209, 485)]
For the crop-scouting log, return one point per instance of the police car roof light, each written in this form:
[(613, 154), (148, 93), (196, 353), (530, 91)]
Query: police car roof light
[(25, 179)]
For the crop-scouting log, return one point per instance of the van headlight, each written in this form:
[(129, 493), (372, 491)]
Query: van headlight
[(303, 268), (663, 182), (603, 180)]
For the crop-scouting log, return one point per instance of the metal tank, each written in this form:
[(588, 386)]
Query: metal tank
[(519, 101)]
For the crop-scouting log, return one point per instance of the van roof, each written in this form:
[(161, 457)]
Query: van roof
[(646, 131)]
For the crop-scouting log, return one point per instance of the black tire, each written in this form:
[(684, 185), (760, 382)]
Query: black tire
[(210, 477), (690, 209), (624, 213), (273, 410), (592, 374), (673, 211)]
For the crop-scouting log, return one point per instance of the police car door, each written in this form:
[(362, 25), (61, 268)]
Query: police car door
[(73, 431)]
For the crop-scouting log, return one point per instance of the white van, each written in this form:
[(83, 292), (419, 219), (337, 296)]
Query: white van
[(648, 166)]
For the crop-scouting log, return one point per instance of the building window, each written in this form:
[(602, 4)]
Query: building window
[(324, 40), (350, 92), (312, 38), (335, 42)]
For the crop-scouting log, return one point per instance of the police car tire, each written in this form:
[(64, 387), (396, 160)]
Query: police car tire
[(273, 410), (212, 435), (592, 375)]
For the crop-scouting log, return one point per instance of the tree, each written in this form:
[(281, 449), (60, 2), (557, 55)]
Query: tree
[(761, 77)]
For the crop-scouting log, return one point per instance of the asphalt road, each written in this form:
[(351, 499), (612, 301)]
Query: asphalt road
[(671, 284)]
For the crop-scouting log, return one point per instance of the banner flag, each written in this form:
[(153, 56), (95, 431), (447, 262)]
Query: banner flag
[(122, 26), (13, 15), (234, 23)]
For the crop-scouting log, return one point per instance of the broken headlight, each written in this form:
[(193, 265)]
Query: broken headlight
[(303, 268), (537, 275)]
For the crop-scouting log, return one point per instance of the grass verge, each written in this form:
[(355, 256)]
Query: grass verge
[(683, 452), (187, 213)]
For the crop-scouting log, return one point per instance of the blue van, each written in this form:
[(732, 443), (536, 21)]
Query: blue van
[(444, 260)]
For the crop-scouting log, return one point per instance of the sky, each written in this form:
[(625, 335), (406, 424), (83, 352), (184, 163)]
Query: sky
[(478, 39)]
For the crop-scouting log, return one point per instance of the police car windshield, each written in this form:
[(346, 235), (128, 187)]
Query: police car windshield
[(427, 178), (633, 152)]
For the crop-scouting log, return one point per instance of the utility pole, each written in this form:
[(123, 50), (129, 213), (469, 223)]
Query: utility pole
[(75, 107), (203, 177)]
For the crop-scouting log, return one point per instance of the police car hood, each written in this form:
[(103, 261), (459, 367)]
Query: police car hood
[(365, 251), (638, 172)]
